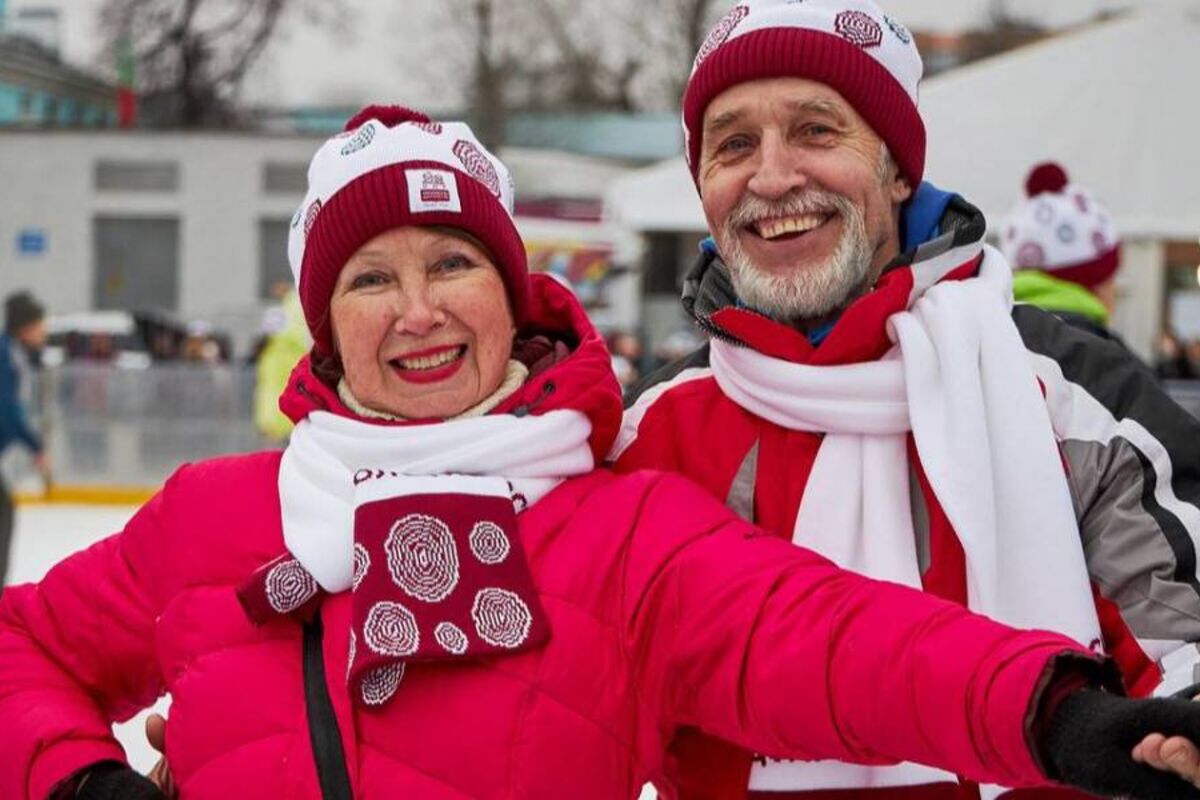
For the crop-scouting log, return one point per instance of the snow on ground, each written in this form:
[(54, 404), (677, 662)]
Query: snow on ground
[(47, 533)]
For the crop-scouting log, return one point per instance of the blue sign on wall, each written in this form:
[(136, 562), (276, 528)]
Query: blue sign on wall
[(31, 241)]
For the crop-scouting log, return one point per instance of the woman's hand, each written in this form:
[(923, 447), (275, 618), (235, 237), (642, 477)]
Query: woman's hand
[(160, 775)]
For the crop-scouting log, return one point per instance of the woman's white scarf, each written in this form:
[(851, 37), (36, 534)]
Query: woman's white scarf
[(960, 379), (525, 456)]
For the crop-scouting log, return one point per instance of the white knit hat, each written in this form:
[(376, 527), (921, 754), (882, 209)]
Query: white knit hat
[(1061, 229), (393, 167)]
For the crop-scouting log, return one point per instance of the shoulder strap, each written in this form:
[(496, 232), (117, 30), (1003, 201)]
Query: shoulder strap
[(322, 724)]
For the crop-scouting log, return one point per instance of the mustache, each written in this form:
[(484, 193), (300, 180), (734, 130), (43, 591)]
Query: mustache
[(752, 208)]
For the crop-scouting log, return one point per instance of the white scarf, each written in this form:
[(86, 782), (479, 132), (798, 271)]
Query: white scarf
[(961, 380), (316, 476)]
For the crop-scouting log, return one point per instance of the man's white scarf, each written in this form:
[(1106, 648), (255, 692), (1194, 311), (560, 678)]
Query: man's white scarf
[(525, 456), (960, 379)]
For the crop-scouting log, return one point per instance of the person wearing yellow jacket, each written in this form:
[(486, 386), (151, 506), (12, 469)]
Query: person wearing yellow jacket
[(283, 349)]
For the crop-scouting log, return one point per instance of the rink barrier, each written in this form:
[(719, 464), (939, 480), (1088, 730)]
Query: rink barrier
[(87, 495), (115, 434), (112, 431)]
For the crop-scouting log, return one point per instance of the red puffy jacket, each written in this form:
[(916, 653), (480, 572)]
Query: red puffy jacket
[(666, 612)]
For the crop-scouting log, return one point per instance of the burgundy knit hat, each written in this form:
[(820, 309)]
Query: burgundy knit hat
[(850, 45), (393, 167), (1061, 229)]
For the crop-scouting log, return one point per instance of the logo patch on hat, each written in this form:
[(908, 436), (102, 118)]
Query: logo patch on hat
[(432, 190), (859, 29)]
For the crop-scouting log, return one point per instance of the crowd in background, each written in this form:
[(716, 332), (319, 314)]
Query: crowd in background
[(199, 343), (1177, 360)]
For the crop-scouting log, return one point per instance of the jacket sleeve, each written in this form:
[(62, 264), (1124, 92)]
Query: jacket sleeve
[(14, 424), (1133, 457), (77, 652), (647, 439), (774, 648)]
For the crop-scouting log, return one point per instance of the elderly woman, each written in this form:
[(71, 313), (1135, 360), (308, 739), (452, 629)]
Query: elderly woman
[(433, 592)]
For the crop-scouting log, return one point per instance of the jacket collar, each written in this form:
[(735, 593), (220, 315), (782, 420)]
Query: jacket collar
[(948, 250)]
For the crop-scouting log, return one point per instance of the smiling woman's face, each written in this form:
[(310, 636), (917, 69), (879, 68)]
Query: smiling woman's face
[(422, 323)]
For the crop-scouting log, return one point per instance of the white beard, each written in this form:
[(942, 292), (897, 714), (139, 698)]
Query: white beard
[(815, 290)]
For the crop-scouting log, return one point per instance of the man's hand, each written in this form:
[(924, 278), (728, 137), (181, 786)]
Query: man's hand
[(1175, 754), (156, 735)]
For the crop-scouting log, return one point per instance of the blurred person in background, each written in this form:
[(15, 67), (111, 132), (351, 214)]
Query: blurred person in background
[(1171, 362), (20, 350), (678, 344), (284, 347), (100, 347), (202, 345), (434, 592), (871, 391), (1191, 352), (1065, 250), (626, 351)]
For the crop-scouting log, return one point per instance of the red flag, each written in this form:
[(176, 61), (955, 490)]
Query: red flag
[(126, 96)]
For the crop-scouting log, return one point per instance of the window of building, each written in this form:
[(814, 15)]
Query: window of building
[(1183, 290), (136, 176), (285, 178), (136, 263), (668, 257), (273, 265)]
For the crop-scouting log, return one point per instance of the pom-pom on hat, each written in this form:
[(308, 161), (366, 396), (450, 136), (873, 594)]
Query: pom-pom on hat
[(850, 45), (1061, 229), (392, 167)]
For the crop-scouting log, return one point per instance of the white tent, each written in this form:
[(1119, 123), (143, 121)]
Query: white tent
[(661, 197), (1114, 102)]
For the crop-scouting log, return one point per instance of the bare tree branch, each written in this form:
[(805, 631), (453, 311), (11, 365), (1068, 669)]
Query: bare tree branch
[(192, 56)]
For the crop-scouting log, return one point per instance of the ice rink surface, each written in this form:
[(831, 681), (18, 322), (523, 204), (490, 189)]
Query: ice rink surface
[(47, 533)]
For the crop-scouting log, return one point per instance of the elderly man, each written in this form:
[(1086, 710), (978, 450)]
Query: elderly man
[(869, 390)]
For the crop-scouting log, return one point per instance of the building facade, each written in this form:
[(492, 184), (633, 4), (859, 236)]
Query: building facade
[(195, 224), (37, 88)]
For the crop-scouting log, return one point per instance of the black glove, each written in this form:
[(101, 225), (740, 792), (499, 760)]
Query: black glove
[(1091, 737), (113, 781)]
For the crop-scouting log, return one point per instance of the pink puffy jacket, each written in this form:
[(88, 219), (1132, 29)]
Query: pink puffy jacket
[(666, 612)]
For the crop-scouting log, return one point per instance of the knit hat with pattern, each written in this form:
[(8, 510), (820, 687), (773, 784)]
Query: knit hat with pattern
[(1061, 229), (393, 167)]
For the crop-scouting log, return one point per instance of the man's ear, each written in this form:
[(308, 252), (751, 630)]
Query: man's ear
[(900, 189)]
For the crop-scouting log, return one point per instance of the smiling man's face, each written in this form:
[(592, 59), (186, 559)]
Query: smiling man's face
[(800, 194)]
